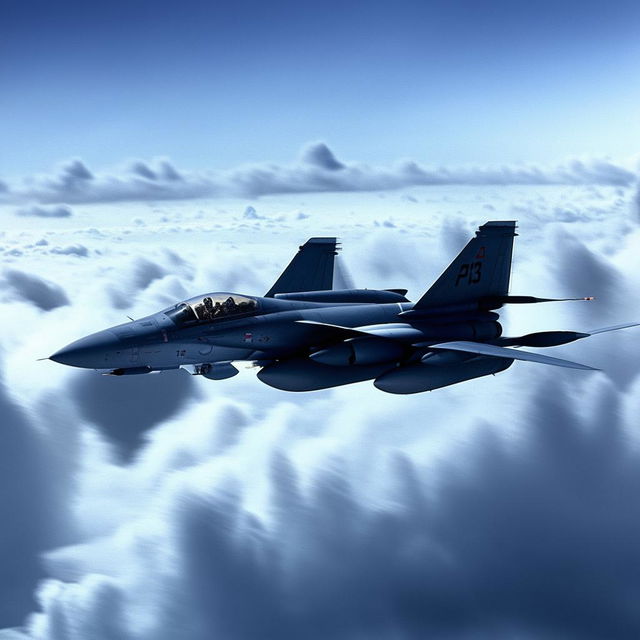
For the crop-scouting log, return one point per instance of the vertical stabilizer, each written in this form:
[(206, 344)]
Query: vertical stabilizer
[(482, 269), (310, 270)]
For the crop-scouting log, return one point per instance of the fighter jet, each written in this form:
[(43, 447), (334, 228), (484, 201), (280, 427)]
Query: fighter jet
[(304, 335)]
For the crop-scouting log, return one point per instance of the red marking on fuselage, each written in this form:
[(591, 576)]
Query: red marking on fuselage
[(480, 254)]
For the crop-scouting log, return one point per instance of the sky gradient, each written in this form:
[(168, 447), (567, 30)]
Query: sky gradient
[(151, 152), (210, 85)]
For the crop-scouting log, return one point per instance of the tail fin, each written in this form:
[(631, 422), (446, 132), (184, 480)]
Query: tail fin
[(482, 269), (310, 270)]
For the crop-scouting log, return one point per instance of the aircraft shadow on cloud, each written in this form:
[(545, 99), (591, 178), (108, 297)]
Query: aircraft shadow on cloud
[(305, 335)]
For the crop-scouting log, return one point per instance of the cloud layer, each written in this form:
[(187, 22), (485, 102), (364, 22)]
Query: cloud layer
[(317, 170), (166, 506), (536, 539)]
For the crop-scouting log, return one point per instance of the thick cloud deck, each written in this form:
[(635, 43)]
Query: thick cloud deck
[(166, 506), (511, 539)]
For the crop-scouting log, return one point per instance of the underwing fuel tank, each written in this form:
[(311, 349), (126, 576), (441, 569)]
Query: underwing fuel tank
[(361, 351), (416, 378), (302, 374)]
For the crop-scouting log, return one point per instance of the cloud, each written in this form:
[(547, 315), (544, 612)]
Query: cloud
[(250, 213), (32, 510), (318, 154), (23, 499), (499, 508), (72, 250), (124, 408), (138, 181), (26, 286), (60, 211), (581, 272), (532, 539), (137, 274), (74, 175), (143, 170), (318, 170)]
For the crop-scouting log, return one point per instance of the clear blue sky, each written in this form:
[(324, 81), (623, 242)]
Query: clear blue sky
[(216, 84)]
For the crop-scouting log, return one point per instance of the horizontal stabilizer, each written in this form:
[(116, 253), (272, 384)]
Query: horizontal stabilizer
[(504, 352), (616, 327)]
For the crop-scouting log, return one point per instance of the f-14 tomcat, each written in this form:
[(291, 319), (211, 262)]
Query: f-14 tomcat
[(304, 335)]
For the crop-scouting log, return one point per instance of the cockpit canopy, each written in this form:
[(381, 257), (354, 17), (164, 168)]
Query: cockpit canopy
[(211, 307)]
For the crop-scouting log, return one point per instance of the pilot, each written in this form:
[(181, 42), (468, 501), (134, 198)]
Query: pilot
[(229, 305), (208, 305), (217, 310)]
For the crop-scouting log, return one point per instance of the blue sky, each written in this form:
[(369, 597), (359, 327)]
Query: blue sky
[(215, 85), (164, 506)]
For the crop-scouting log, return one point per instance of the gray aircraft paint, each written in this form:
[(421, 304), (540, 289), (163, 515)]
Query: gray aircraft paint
[(307, 336)]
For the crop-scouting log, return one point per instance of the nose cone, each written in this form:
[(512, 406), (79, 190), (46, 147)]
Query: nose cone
[(90, 352)]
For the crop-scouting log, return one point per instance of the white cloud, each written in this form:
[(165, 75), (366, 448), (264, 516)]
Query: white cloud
[(477, 549), (177, 507), (33, 506), (71, 250), (318, 170)]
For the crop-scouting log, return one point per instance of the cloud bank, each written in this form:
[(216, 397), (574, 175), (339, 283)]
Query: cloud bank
[(171, 507), (317, 170), (537, 539)]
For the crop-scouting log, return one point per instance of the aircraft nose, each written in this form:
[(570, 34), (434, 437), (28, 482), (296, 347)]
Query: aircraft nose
[(87, 352)]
